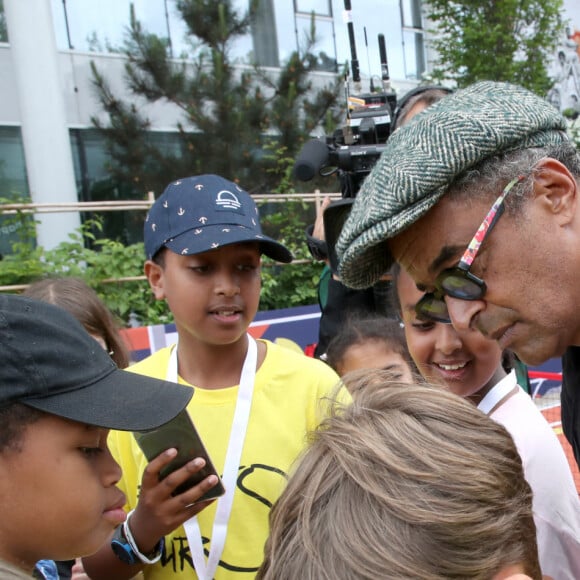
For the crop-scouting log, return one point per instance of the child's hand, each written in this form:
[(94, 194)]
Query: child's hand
[(158, 512)]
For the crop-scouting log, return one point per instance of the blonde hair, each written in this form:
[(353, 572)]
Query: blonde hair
[(408, 482)]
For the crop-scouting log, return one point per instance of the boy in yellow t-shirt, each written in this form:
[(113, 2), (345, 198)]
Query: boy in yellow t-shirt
[(254, 401)]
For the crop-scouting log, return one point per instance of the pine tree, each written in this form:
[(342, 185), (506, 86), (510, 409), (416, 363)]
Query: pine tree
[(230, 112)]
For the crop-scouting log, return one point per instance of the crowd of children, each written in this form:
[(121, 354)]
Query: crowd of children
[(410, 476)]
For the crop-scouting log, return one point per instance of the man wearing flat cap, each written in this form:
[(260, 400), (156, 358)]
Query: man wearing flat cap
[(478, 199)]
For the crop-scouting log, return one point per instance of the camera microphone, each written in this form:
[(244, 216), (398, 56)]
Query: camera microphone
[(313, 156), (384, 64), (347, 17)]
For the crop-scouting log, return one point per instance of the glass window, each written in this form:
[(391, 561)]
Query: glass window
[(413, 39), (3, 28), (414, 54), (324, 50), (13, 182), (86, 25), (411, 13), (264, 37), (319, 7), (94, 182)]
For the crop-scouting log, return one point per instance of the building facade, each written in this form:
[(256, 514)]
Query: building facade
[(49, 148)]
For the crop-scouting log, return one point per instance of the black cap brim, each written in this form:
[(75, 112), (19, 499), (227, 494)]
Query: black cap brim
[(121, 400)]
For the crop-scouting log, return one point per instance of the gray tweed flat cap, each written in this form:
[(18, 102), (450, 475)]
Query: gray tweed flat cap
[(423, 158)]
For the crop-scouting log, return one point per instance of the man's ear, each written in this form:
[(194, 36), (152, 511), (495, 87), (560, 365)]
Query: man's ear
[(155, 277), (556, 188)]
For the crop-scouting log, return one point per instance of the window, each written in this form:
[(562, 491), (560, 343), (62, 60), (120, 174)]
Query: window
[(413, 39), (95, 183), (264, 36), (3, 28), (86, 25), (319, 13), (13, 182)]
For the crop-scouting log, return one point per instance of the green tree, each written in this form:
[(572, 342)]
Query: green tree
[(227, 107), (502, 40)]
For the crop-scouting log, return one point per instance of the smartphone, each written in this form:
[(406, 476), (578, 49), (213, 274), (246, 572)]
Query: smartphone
[(181, 434)]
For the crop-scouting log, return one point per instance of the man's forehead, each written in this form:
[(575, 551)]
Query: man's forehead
[(434, 241), (408, 250)]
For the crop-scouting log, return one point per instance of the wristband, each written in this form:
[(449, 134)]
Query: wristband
[(126, 549)]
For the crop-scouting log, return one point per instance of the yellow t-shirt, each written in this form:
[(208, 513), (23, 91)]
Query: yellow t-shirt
[(288, 402)]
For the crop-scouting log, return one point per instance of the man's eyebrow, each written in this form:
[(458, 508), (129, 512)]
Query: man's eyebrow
[(446, 253)]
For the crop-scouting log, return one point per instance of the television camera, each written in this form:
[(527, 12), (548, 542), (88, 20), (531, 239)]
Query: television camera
[(352, 151)]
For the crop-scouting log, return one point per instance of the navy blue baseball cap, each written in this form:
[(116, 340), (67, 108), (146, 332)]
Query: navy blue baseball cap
[(205, 212)]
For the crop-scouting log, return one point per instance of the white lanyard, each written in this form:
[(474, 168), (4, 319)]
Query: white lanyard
[(497, 393), (230, 473)]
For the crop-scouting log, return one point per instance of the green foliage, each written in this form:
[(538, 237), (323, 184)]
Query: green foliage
[(18, 267), (132, 300), (502, 40), (106, 260), (296, 284)]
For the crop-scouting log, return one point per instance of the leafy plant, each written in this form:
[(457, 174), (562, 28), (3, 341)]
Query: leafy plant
[(296, 284), (108, 266), (105, 260), (502, 40)]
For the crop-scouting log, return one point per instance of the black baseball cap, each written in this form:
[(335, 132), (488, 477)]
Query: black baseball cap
[(48, 361), (204, 212)]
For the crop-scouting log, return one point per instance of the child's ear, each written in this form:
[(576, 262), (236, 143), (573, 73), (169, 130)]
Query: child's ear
[(154, 273)]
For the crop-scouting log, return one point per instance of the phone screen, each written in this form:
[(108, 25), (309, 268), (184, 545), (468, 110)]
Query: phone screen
[(181, 434)]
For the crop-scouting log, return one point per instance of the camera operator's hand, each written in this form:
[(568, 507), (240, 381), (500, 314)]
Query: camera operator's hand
[(318, 231), (315, 237)]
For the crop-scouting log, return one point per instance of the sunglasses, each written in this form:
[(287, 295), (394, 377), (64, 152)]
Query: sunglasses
[(459, 282)]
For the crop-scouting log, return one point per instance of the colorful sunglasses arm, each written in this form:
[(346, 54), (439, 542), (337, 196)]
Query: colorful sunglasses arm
[(486, 226)]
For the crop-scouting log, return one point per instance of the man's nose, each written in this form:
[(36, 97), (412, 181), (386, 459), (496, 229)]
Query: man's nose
[(463, 312)]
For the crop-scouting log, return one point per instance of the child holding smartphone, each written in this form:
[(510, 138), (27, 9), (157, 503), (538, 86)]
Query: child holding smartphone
[(254, 401), (60, 393), (77, 298)]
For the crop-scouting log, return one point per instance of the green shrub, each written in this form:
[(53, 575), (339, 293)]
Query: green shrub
[(104, 263)]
